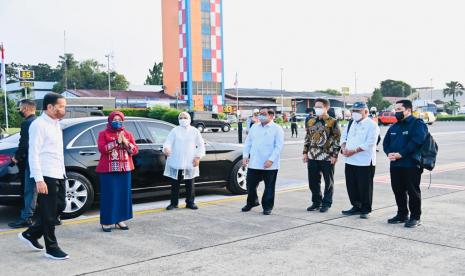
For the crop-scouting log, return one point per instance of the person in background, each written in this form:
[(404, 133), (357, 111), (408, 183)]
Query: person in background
[(401, 141), (184, 148), (47, 167), (321, 149), (117, 147), (251, 120), (311, 114), (263, 146), (293, 121), (359, 148), (27, 110)]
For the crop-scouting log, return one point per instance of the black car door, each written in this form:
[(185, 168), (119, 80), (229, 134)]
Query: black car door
[(84, 149), (156, 134)]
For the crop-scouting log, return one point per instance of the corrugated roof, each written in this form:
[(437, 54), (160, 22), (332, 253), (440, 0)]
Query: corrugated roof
[(275, 93), (93, 93)]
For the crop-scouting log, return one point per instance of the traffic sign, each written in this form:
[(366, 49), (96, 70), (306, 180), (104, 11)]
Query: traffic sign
[(345, 91), (26, 74), (27, 84)]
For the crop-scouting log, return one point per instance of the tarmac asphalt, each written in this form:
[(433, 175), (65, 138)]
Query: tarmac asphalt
[(220, 239)]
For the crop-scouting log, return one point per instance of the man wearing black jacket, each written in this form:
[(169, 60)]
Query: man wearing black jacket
[(402, 140), (27, 110)]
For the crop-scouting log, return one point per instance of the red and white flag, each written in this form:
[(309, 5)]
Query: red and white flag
[(2, 68)]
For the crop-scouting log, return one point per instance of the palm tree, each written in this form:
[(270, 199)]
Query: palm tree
[(454, 88)]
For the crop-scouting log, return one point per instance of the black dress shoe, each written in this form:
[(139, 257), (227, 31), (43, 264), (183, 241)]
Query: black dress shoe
[(351, 212), (364, 215), (412, 223), (324, 209), (267, 212), (314, 207), (397, 219), (121, 227), (20, 223), (171, 207), (32, 243), (105, 229), (248, 207), (192, 206)]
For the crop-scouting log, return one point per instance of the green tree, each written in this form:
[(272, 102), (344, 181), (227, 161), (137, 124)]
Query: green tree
[(88, 74), (393, 88), (44, 72), (454, 88), (377, 100), (11, 71), (14, 120), (155, 76), (452, 107)]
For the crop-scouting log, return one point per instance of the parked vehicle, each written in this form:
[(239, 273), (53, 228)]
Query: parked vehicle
[(387, 118), (301, 117), (203, 120), (427, 117), (231, 118), (222, 166), (336, 112)]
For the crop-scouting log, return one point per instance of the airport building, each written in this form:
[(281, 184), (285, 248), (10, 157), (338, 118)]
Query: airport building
[(193, 57)]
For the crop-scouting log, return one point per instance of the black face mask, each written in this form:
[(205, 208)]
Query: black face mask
[(400, 116), (21, 114)]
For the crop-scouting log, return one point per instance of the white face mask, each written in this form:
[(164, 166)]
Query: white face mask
[(184, 122), (319, 111), (356, 116)]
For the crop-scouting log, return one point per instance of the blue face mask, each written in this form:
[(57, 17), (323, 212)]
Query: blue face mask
[(116, 124), (263, 118)]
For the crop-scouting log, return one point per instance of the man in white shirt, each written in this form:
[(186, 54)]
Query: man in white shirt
[(262, 151), (359, 148), (46, 162)]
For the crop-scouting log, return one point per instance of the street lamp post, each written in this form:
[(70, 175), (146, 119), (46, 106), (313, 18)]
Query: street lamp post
[(282, 99), (108, 56)]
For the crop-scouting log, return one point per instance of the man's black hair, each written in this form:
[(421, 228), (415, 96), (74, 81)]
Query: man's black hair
[(325, 102), (51, 98), (28, 103), (406, 103)]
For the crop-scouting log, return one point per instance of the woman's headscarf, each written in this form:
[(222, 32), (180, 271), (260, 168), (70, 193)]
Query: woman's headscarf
[(110, 119), (187, 115)]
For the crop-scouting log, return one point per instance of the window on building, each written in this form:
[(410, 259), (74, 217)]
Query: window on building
[(206, 18), (206, 65), (206, 42)]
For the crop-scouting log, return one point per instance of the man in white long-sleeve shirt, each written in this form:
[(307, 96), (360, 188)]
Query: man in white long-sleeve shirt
[(262, 151), (359, 148), (46, 162)]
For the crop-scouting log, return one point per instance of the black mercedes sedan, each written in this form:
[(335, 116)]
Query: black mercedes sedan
[(221, 167)]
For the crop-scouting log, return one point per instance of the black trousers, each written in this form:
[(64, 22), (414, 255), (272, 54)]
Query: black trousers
[(405, 183), (294, 129), (253, 179), (316, 168), (359, 182), (47, 209), (190, 189)]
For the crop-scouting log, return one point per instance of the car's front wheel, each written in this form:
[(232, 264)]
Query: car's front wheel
[(200, 127), (238, 179), (226, 128), (79, 195)]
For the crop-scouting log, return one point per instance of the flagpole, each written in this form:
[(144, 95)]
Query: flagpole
[(3, 84), (237, 97)]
